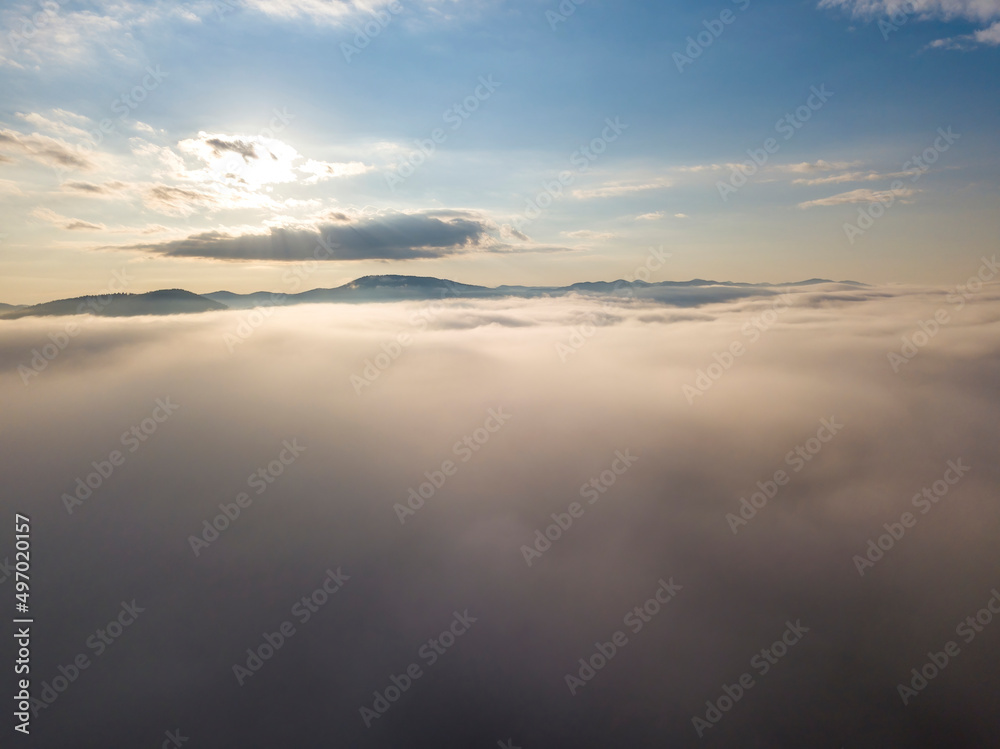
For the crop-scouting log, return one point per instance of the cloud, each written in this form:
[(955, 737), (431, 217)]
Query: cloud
[(809, 167), (664, 517), (43, 149), (980, 11), (655, 216), (324, 170), (220, 145), (177, 201), (250, 160), (972, 10), (863, 195), (64, 222), (989, 36), (316, 11), (387, 236), (105, 31), (616, 189), (53, 126), (588, 234), (850, 177), (90, 189)]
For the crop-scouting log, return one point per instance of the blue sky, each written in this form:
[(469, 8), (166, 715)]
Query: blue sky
[(260, 133)]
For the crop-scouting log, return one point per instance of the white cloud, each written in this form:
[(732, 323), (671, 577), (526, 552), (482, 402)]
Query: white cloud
[(654, 216), (324, 170), (41, 122), (588, 234), (64, 222), (973, 10), (988, 36), (317, 11), (252, 160), (51, 34), (850, 177), (863, 195), (43, 149), (809, 167), (981, 11), (106, 190), (615, 189)]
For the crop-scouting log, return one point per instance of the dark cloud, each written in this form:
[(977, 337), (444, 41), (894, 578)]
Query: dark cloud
[(78, 224), (244, 148), (89, 188), (170, 199), (388, 236)]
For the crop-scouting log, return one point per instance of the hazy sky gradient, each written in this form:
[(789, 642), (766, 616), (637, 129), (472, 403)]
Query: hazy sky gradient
[(205, 152)]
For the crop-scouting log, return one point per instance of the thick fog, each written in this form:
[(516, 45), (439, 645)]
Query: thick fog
[(641, 428)]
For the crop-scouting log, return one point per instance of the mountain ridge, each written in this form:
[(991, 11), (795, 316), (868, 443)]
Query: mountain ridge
[(387, 288)]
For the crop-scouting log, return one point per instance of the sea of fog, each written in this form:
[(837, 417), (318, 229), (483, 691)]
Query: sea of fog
[(530, 523)]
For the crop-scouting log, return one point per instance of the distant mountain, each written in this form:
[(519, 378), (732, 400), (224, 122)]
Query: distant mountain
[(393, 288), (390, 288), (164, 302)]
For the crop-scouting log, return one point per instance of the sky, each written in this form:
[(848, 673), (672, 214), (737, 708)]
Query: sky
[(216, 145)]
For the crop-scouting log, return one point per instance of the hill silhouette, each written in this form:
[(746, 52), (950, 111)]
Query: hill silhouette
[(391, 288), (163, 302)]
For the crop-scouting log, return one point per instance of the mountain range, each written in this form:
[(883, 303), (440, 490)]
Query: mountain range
[(390, 288)]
